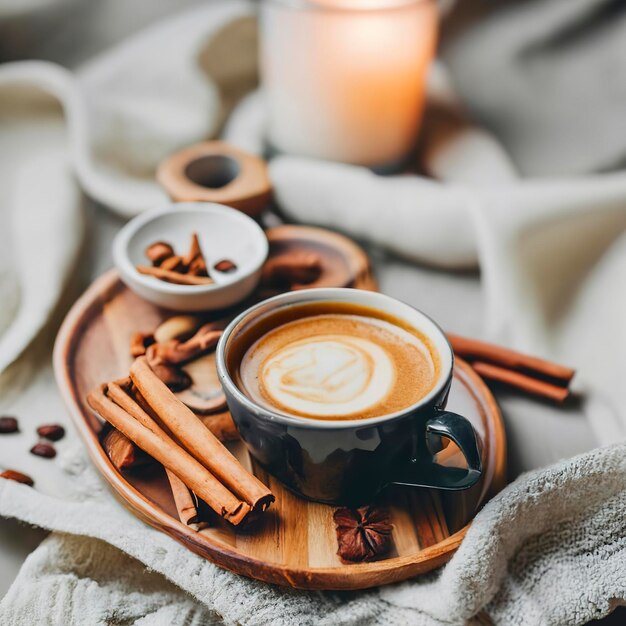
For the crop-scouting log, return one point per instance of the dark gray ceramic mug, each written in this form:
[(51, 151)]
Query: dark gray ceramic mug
[(350, 461)]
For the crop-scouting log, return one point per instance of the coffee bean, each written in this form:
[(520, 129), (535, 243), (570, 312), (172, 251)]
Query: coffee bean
[(225, 265), (8, 425), (43, 449), (18, 477), (51, 432)]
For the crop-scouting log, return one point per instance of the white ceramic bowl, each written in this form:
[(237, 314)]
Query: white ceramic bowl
[(224, 233)]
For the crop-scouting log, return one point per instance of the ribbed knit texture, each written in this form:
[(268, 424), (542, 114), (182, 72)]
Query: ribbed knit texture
[(550, 549)]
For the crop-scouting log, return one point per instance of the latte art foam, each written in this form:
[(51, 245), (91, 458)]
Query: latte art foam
[(328, 375), (337, 366)]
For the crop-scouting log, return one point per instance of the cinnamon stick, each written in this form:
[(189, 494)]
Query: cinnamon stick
[(521, 381), (117, 392), (197, 439), (157, 444), (220, 424), (174, 263), (185, 502), (194, 249), (183, 498), (173, 277), (194, 260), (473, 349)]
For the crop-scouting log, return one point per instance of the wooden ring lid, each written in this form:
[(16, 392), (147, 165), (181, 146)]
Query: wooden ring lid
[(215, 171)]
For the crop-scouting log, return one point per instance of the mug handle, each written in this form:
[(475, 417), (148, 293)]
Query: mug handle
[(418, 473)]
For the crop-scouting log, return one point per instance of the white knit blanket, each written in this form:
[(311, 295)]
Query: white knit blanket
[(550, 549)]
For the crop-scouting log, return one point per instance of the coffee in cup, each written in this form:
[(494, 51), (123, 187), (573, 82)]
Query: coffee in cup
[(336, 361)]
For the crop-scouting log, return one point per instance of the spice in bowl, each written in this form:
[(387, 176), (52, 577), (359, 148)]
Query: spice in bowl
[(225, 266), (190, 269)]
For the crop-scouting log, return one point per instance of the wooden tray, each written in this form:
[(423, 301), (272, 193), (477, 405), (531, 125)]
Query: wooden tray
[(296, 542)]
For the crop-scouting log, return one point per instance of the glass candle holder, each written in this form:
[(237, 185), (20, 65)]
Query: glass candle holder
[(345, 80)]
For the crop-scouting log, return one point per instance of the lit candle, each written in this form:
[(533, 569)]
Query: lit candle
[(345, 79)]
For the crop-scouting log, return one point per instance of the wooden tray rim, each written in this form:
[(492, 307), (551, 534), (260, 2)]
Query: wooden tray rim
[(352, 576)]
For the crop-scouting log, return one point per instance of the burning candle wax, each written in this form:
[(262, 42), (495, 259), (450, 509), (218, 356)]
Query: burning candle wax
[(345, 79)]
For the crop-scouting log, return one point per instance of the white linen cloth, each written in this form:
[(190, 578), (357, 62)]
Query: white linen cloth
[(41, 215), (552, 261)]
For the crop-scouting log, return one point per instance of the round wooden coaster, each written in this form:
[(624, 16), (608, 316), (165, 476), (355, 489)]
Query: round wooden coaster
[(342, 262), (295, 545)]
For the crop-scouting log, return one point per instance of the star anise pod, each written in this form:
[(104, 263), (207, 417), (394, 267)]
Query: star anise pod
[(362, 534)]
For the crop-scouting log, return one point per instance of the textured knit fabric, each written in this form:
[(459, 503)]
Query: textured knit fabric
[(550, 549)]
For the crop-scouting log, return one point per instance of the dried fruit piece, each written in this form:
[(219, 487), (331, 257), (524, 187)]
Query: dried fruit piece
[(176, 352), (292, 268), (44, 450), (177, 327), (206, 394), (362, 534), (139, 342), (8, 425), (174, 377), (202, 403), (221, 425), (124, 454), (18, 477), (158, 251), (51, 432), (225, 266)]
